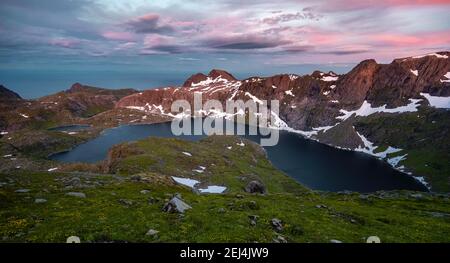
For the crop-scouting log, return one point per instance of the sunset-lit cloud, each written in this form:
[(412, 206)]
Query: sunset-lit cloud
[(304, 31)]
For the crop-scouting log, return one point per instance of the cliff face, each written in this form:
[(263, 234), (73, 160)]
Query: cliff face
[(315, 100)]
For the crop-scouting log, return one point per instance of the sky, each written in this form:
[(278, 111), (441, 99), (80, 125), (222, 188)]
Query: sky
[(253, 36)]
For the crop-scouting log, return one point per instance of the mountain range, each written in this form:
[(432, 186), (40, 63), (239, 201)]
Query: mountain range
[(397, 112)]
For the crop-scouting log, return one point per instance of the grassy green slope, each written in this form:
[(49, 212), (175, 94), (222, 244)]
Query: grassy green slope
[(307, 216), (424, 136)]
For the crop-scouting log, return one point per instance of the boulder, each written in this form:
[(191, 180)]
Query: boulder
[(276, 224), (253, 219), (176, 205), (22, 190), (126, 202), (279, 239), (76, 194), (255, 187), (40, 201), (74, 182), (152, 232)]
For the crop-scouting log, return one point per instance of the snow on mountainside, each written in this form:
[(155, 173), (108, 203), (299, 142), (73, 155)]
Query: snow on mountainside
[(319, 99), (322, 105)]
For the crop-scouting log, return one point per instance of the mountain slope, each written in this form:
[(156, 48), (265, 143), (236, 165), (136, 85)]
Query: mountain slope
[(329, 107), (74, 105)]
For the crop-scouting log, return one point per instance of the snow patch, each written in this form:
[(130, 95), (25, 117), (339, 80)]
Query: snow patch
[(185, 181), (447, 76), (52, 169), (241, 144), (324, 128), (366, 109), (415, 72), (24, 115), (431, 54), (421, 180), (279, 124), (187, 154), (289, 92), (213, 189), (369, 148), (395, 160), (200, 169), (436, 101), (254, 98), (329, 78), (293, 77)]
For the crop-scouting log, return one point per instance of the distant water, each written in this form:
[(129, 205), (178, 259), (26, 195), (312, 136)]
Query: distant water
[(36, 83), (313, 164)]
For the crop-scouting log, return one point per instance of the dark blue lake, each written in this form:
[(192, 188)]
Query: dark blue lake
[(312, 164)]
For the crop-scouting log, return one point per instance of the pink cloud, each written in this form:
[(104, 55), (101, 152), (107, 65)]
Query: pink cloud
[(419, 40), (150, 23), (126, 46), (345, 5), (65, 42), (119, 36), (157, 40)]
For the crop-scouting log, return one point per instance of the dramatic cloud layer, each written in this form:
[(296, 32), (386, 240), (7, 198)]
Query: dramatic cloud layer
[(277, 32)]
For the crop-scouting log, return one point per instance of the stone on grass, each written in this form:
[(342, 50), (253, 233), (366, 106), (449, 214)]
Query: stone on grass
[(76, 194), (126, 202), (176, 205), (40, 200), (255, 187), (276, 224), (152, 232), (22, 190), (279, 239)]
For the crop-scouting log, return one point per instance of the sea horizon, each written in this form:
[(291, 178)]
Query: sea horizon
[(35, 83)]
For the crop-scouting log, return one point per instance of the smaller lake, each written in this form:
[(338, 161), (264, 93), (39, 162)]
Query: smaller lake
[(313, 164)]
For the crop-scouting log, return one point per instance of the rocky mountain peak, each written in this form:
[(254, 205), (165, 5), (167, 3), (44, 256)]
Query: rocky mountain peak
[(220, 73), (213, 74), (76, 87), (353, 86)]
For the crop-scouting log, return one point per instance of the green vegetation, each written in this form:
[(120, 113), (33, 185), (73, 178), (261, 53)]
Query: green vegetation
[(116, 209), (231, 167), (102, 217), (423, 135)]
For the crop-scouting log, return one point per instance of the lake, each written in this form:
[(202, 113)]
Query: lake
[(313, 164)]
